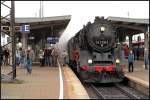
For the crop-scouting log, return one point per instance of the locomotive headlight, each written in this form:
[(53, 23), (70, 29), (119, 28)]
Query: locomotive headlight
[(117, 61), (90, 61), (102, 29)]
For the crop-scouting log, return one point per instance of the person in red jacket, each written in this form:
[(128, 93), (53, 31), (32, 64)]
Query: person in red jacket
[(75, 56)]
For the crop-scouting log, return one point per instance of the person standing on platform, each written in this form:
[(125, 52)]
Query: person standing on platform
[(23, 59), (30, 57), (146, 61), (1, 56), (130, 60), (41, 57), (50, 56), (75, 56), (134, 52), (6, 54), (64, 55), (122, 56), (45, 54), (17, 57), (46, 57), (55, 56), (138, 53)]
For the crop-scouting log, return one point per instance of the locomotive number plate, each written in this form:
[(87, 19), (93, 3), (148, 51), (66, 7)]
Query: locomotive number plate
[(99, 42)]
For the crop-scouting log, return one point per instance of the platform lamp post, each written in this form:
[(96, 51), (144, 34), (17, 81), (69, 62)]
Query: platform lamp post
[(12, 28)]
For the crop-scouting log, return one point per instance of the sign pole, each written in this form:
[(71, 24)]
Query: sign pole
[(12, 24), (25, 29)]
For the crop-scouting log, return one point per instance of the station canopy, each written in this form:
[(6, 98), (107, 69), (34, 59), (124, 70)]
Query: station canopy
[(129, 26), (50, 26)]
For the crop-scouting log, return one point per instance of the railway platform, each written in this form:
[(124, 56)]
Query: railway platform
[(139, 78), (44, 83)]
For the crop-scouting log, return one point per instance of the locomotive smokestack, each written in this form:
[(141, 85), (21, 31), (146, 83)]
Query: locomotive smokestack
[(98, 18)]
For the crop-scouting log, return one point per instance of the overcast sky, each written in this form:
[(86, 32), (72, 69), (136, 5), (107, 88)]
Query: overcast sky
[(81, 11)]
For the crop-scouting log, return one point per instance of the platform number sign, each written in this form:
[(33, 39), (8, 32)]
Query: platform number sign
[(25, 28)]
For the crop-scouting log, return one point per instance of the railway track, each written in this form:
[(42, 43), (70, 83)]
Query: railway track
[(117, 91)]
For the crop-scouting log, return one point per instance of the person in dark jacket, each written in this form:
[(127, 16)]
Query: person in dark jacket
[(6, 54), (30, 58), (1, 56), (130, 60), (138, 53)]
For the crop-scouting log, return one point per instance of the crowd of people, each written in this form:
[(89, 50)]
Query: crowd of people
[(133, 55), (49, 57), (23, 59)]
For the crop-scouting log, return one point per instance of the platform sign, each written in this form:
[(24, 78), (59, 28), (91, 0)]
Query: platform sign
[(52, 40), (25, 29), (49, 39), (56, 39)]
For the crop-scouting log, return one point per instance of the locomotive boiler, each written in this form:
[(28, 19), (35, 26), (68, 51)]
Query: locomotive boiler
[(95, 54)]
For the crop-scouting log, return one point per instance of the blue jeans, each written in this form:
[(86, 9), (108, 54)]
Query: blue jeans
[(48, 61), (29, 65), (22, 61), (65, 60), (17, 60)]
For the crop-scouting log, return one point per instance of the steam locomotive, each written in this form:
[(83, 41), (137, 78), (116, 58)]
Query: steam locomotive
[(95, 54)]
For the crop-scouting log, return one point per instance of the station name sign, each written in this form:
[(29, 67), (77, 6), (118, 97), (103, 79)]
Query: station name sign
[(52, 40)]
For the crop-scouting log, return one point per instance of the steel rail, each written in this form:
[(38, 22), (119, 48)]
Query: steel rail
[(98, 92), (128, 93), (124, 92)]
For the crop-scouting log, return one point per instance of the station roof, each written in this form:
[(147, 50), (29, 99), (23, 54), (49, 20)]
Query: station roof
[(129, 20), (45, 19), (53, 25), (129, 26), (36, 19)]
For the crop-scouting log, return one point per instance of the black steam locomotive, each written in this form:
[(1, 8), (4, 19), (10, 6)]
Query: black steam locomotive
[(95, 54)]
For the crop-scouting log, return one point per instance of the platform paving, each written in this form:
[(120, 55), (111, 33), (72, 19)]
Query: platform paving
[(74, 88), (43, 83), (139, 74)]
